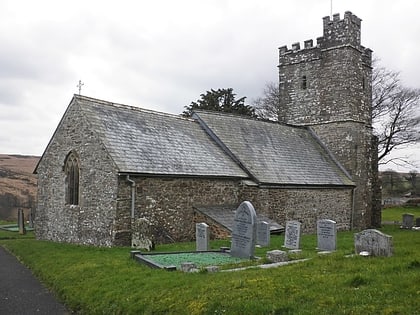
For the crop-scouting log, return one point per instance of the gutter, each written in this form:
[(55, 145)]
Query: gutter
[(133, 195)]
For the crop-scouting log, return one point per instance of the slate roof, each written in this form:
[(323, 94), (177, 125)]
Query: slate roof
[(274, 153), (225, 215), (148, 142)]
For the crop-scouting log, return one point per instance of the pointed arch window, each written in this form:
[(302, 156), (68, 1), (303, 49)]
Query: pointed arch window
[(72, 179), (304, 83)]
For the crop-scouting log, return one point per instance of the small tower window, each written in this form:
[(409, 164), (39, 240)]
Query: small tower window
[(304, 83), (364, 83), (72, 179)]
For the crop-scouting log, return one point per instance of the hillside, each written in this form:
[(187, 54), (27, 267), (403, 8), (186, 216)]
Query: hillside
[(17, 185)]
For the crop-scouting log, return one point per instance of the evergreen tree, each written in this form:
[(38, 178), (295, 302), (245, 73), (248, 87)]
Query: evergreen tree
[(221, 100)]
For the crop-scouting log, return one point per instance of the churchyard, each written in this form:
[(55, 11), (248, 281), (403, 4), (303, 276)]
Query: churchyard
[(92, 280)]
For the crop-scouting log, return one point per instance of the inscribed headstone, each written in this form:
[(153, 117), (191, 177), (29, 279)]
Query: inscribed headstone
[(202, 237), (418, 222), (263, 233), (373, 242), (327, 235), (407, 221), (292, 235), (244, 231)]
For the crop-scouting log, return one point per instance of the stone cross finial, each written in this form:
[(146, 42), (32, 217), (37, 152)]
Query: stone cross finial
[(80, 86)]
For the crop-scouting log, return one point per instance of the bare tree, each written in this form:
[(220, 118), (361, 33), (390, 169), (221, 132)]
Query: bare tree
[(395, 111), (395, 115), (268, 106)]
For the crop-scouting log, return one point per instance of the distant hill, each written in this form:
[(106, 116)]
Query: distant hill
[(17, 185)]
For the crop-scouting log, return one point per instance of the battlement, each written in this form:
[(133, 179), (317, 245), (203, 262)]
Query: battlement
[(349, 18), (337, 32)]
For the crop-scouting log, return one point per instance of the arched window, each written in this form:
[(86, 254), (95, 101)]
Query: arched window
[(72, 179), (304, 83)]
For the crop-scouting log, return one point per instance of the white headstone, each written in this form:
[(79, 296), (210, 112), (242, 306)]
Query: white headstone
[(327, 235), (244, 231), (373, 242), (263, 233), (292, 235), (202, 237)]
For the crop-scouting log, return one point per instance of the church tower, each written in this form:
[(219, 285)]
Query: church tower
[(328, 88)]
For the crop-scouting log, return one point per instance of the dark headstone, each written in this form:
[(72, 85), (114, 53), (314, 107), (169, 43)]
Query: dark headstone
[(407, 221)]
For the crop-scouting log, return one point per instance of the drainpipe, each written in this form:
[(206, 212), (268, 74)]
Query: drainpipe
[(352, 208), (133, 195)]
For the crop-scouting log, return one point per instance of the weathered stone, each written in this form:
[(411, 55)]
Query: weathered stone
[(327, 235), (244, 231), (263, 233), (188, 267), (276, 255), (202, 237), (212, 269), (292, 235), (141, 236), (373, 242)]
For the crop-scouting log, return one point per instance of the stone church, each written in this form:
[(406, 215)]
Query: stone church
[(110, 166)]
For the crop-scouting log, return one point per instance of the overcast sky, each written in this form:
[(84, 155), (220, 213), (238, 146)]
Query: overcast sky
[(163, 54)]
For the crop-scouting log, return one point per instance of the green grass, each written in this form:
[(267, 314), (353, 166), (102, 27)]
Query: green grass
[(93, 280), (395, 214), (13, 235)]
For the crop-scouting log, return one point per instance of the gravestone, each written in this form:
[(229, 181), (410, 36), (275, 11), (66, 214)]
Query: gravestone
[(373, 242), (21, 222), (407, 221), (418, 222), (327, 235), (141, 234), (292, 235), (202, 237), (244, 231), (263, 233)]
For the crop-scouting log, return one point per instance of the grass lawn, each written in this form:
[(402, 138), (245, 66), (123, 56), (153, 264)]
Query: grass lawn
[(93, 280), (395, 214)]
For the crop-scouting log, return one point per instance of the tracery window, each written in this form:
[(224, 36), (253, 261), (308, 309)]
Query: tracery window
[(72, 179)]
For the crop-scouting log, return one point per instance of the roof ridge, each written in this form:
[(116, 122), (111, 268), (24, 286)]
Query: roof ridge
[(129, 107)]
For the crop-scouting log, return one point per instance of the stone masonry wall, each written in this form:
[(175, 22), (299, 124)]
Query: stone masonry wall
[(90, 222), (305, 205), (169, 203)]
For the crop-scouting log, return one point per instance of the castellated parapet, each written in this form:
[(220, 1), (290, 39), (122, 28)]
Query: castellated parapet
[(337, 32), (331, 80)]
